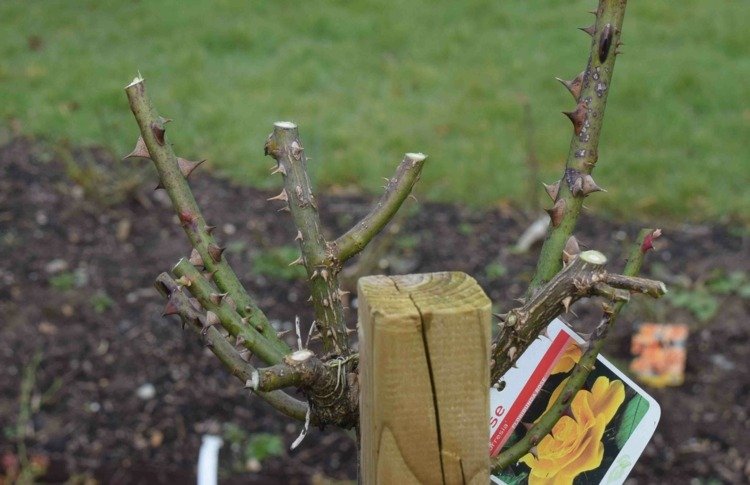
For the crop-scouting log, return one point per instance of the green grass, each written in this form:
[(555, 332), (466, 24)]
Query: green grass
[(369, 80)]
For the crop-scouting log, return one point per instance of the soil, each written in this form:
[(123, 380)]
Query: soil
[(122, 395)]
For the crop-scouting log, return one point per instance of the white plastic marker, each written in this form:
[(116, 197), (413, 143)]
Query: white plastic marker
[(208, 460)]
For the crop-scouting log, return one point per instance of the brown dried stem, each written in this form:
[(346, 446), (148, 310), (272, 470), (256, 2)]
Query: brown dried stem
[(583, 277)]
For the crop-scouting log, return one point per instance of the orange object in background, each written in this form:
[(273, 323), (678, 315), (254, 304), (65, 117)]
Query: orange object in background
[(659, 354)]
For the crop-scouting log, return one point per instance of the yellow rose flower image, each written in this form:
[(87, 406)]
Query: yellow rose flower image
[(575, 443), (569, 358)]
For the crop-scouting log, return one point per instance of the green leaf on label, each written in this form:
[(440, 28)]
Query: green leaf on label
[(632, 415), (511, 478)]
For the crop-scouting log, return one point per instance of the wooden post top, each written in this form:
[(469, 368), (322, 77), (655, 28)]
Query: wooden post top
[(450, 291), (424, 379)]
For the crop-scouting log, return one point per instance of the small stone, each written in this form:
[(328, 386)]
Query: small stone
[(123, 230), (93, 407), (41, 218), (156, 439), (229, 229), (253, 465), (47, 328), (146, 392), (56, 266)]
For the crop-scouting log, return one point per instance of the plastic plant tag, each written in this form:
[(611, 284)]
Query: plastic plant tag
[(600, 437), (659, 354)]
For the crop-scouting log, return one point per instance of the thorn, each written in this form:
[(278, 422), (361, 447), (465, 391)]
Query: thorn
[(571, 250), (574, 85), (282, 334), (501, 316), (512, 352), (170, 308), (300, 261), (278, 169), (577, 117), (325, 302), (534, 452), (217, 297), (210, 275), (557, 212), (160, 186), (411, 196), (215, 252), (210, 229), (591, 29), (187, 166), (157, 128), (187, 218), (324, 274), (315, 274), (240, 341), (588, 185), (309, 300), (212, 319), (605, 42), (527, 426), (584, 346), (195, 258), (341, 293), (648, 241), (298, 237), (140, 150), (282, 196), (566, 303), (285, 209), (296, 150), (552, 190), (576, 188)]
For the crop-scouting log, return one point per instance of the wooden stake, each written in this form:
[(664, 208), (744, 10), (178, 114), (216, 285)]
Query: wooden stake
[(424, 374)]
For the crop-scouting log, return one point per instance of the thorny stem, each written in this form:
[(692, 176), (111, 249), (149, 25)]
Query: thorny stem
[(590, 92), (153, 144), (285, 146), (299, 369), (210, 300), (583, 277), (224, 350), (577, 378), (397, 190)]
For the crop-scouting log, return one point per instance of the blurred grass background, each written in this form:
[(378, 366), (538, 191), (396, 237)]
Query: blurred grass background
[(368, 80)]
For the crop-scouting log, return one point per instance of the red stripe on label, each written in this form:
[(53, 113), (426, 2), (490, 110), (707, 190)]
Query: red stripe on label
[(528, 393)]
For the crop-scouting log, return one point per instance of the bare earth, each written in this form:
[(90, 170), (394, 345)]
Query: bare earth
[(101, 338)]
